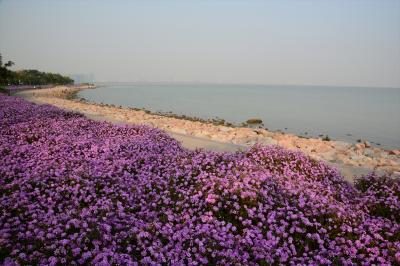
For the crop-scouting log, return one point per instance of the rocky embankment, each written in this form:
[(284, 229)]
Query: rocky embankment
[(361, 155)]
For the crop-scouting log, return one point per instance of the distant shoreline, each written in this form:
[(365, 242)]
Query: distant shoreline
[(359, 158), (127, 83)]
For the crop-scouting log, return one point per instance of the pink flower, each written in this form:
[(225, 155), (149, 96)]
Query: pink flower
[(211, 198)]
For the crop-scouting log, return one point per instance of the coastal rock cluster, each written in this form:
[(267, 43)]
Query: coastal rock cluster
[(77, 191), (360, 155)]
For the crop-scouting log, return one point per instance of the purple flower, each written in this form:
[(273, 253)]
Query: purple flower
[(76, 191)]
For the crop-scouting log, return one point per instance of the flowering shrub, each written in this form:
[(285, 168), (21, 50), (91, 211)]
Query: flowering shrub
[(381, 196), (75, 191)]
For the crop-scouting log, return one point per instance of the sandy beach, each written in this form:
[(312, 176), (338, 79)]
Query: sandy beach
[(351, 159)]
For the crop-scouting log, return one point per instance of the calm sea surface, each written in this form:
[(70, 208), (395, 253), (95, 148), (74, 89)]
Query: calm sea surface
[(343, 113)]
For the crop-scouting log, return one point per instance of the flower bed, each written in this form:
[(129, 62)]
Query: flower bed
[(75, 191)]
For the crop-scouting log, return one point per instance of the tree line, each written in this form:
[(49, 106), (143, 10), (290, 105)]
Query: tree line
[(29, 77)]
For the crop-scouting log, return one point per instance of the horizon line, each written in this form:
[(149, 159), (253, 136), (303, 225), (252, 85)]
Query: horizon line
[(237, 84)]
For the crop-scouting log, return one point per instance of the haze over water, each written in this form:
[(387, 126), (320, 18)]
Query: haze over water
[(342, 113), (335, 43)]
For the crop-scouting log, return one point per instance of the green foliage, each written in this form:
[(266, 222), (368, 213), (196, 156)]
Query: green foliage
[(29, 77), (35, 77), (326, 138), (254, 121), (5, 74), (2, 89)]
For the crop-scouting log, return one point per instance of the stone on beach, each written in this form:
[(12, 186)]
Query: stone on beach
[(394, 152), (254, 121)]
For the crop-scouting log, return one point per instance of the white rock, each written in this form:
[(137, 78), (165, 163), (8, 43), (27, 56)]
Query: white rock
[(268, 141), (224, 129)]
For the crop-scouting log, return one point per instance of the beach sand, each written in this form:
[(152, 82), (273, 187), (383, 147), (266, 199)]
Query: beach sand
[(351, 159)]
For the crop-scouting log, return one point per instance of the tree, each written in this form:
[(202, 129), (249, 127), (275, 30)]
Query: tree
[(6, 75), (9, 64), (29, 77)]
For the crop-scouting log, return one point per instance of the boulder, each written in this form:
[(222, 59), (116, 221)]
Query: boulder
[(367, 144), (224, 129), (369, 153), (356, 157), (360, 146), (268, 141), (341, 145), (254, 121), (394, 152)]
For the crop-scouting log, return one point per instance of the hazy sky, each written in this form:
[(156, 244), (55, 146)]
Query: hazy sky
[(272, 42)]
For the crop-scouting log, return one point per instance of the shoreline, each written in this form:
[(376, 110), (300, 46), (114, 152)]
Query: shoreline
[(356, 159)]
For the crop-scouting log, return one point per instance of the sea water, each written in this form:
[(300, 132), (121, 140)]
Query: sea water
[(342, 113)]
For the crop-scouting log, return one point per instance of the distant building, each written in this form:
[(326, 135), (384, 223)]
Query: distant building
[(82, 78)]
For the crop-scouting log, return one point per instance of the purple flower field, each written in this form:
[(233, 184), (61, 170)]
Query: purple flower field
[(75, 191)]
